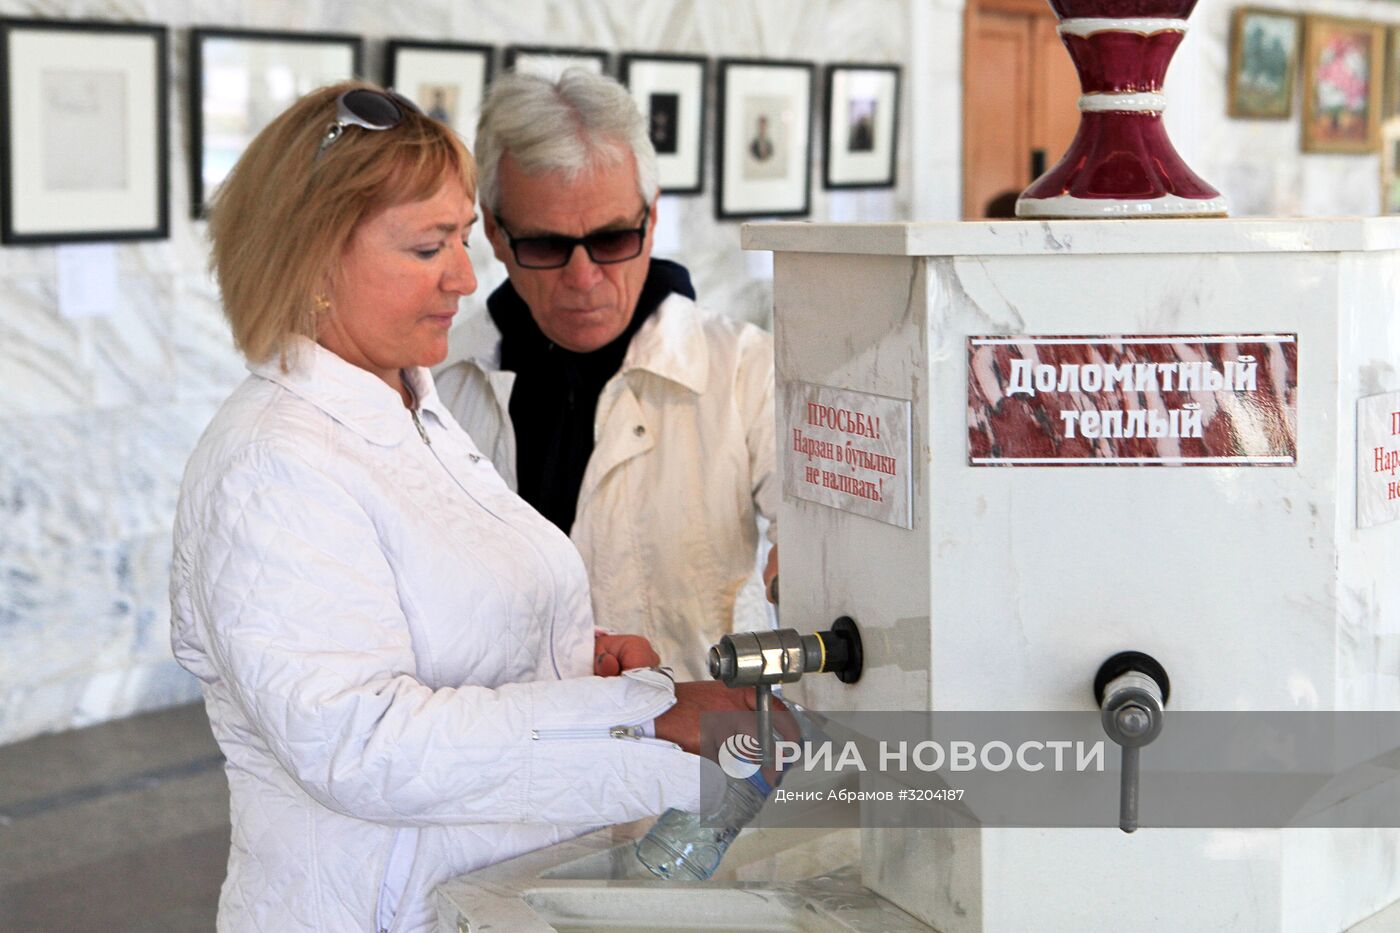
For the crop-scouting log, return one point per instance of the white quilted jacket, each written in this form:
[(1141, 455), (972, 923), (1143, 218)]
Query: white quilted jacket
[(395, 651)]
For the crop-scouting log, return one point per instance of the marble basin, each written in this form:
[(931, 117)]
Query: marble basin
[(777, 908), (772, 880)]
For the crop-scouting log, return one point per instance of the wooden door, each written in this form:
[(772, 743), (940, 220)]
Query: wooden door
[(1020, 100)]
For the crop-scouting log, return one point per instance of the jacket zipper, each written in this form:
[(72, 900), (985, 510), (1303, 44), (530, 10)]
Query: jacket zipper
[(423, 433), (419, 425), (632, 733)]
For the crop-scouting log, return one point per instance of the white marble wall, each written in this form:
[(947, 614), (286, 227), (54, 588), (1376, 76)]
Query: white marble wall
[(97, 416), (1259, 164)]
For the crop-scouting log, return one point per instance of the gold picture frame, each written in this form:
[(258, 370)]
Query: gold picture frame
[(1263, 63), (1392, 73), (1343, 61)]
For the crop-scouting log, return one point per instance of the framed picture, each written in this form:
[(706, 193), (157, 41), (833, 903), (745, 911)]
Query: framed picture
[(85, 139), (240, 80), (1263, 63), (446, 79), (1390, 166), (1341, 85), (670, 91), (765, 138), (550, 62), (862, 126)]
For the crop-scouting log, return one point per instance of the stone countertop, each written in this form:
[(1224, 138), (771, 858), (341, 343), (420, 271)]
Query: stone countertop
[(771, 879), (1080, 237)]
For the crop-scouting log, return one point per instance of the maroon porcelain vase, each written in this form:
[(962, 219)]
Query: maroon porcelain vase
[(1121, 163)]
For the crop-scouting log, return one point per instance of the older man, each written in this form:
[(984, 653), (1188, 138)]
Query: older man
[(633, 420)]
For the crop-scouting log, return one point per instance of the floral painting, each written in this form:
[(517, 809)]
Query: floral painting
[(1342, 85)]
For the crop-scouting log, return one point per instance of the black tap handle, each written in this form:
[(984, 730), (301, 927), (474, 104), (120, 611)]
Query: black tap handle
[(1125, 661), (837, 650)]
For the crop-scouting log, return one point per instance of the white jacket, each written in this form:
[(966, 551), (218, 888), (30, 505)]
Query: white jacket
[(395, 651), (683, 462)]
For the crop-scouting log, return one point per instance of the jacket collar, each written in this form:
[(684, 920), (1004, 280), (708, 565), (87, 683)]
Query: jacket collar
[(354, 397), (671, 344)]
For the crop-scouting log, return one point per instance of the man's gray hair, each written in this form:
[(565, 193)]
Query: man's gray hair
[(578, 122)]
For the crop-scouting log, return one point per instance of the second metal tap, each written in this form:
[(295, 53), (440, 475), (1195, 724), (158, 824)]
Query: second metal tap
[(781, 656)]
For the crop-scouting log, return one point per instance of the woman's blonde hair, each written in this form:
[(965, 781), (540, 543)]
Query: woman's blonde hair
[(281, 220)]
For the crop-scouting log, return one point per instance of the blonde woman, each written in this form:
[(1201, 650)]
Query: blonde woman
[(397, 652)]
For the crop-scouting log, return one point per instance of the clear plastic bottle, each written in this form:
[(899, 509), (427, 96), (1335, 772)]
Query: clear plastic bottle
[(686, 846)]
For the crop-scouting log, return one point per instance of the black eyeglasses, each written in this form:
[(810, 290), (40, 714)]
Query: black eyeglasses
[(553, 251), (368, 109)]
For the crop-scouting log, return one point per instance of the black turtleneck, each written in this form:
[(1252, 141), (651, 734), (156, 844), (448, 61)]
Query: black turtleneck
[(556, 391)]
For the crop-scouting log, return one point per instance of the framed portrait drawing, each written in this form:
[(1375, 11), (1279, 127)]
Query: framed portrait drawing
[(550, 62), (86, 145), (862, 126), (446, 79), (670, 91), (1263, 63), (240, 80), (764, 138), (1342, 61)]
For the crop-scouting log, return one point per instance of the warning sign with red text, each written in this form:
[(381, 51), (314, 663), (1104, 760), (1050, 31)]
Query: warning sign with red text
[(848, 450), (1377, 459)]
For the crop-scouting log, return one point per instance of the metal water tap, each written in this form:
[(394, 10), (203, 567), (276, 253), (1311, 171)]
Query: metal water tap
[(782, 656), (1131, 688)]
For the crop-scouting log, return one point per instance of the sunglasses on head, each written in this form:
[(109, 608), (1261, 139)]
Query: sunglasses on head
[(553, 251), (368, 109)]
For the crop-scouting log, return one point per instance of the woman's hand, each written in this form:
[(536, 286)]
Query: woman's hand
[(613, 654), (681, 723)]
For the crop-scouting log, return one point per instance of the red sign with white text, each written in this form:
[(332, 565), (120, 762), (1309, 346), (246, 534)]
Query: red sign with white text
[(1198, 400)]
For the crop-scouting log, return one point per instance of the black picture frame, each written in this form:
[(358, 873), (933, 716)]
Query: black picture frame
[(677, 86), (84, 131), (459, 73), (860, 143), (764, 169), (565, 55), (209, 164)]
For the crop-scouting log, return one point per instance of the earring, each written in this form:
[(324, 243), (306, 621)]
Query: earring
[(322, 304)]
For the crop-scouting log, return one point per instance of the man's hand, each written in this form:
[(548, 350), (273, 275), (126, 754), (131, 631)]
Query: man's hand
[(770, 576), (613, 654)]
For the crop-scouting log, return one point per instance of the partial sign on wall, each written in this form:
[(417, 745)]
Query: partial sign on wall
[(849, 450), (1377, 459), (1197, 400)]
